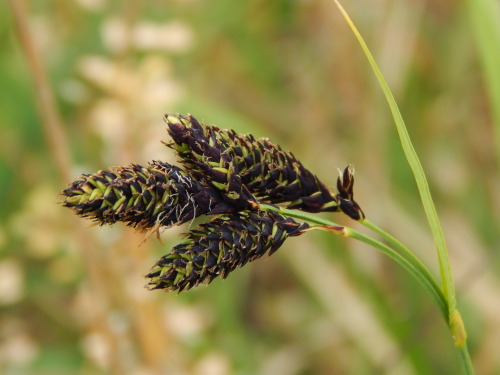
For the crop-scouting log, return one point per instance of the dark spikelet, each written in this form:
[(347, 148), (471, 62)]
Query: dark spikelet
[(220, 246), (270, 174), (207, 163), (345, 186), (142, 197)]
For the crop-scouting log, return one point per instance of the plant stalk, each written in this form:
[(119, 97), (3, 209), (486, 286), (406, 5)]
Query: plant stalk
[(402, 249), (456, 325), (416, 167), (420, 273)]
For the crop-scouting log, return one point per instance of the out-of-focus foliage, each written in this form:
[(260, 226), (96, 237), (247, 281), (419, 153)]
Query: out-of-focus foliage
[(72, 299)]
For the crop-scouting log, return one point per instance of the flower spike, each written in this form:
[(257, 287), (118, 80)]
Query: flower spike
[(142, 197), (220, 246), (234, 176), (206, 162), (270, 174)]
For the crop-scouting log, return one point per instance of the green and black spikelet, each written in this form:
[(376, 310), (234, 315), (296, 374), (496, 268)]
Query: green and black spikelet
[(270, 174), (209, 164), (218, 247), (142, 197), (223, 173)]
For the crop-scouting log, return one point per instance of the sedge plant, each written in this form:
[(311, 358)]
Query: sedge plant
[(255, 196)]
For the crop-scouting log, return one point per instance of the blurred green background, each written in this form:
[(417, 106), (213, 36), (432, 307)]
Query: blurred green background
[(72, 299)]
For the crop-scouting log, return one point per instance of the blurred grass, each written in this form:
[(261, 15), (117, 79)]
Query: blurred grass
[(71, 296), (484, 24)]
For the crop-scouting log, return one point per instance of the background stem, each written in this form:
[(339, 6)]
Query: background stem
[(44, 96)]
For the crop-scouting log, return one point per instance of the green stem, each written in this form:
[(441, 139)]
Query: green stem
[(456, 325), (466, 361), (403, 250), (410, 263), (423, 277), (418, 172), (421, 274)]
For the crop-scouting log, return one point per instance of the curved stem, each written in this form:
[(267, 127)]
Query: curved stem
[(466, 361), (420, 273), (403, 250), (448, 288), (418, 172)]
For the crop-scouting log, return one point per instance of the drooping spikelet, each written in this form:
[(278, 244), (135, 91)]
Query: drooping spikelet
[(218, 247), (270, 174), (345, 186), (142, 197)]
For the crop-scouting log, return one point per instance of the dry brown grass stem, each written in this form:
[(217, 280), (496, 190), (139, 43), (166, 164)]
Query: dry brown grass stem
[(58, 147), (44, 97)]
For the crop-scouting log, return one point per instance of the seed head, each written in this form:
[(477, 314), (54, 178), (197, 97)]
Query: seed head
[(224, 173), (218, 247), (205, 161), (270, 174), (142, 197)]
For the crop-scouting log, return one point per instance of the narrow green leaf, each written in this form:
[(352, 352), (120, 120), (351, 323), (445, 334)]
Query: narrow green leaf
[(417, 270), (418, 172), (402, 249)]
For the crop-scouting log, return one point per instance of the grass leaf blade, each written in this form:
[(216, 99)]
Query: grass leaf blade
[(418, 172)]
